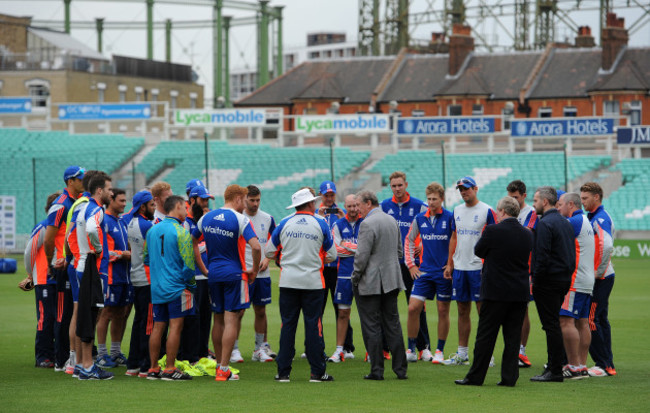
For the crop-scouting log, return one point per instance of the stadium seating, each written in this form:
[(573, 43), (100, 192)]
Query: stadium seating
[(46, 154), (629, 206)]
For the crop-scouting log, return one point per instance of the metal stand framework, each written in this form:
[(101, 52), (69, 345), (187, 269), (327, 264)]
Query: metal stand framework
[(264, 17)]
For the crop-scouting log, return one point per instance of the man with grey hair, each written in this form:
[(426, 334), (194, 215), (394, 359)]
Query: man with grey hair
[(553, 262), (377, 280), (574, 315), (505, 247)]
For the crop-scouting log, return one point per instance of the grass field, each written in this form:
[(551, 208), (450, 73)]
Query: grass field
[(25, 388)]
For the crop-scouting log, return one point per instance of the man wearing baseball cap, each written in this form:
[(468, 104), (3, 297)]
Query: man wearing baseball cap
[(463, 266), (302, 236)]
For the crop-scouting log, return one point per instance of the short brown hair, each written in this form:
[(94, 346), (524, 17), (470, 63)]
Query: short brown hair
[(397, 174), (233, 191), (158, 188), (51, 198), (434, 187), (593, 188)]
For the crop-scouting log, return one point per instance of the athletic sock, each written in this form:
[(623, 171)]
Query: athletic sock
[(259, 340), (224, 368), (236, 347), (339, 349), (522, 350), (412, 344), (462, 351), (101, 350), (441, 345), (73, 357), (116, 348)]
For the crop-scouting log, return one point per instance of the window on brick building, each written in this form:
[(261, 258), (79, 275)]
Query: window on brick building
[(635, 112), (477, 110), (611, 108), (39, 91), (570, 112), (454, 110), (545, 112)]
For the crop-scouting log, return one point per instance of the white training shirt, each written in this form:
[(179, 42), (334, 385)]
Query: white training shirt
[(263, 224), (469, 223)]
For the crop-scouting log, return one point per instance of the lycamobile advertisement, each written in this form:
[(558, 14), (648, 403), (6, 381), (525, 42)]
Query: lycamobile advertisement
[(342, 123), (226, 118)]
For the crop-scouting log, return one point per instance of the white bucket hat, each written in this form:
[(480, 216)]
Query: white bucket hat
[(302, 197)]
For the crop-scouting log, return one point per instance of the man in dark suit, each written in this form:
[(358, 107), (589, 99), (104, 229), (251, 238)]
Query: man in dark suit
[(554, 260), (506, 248), (377, 280)]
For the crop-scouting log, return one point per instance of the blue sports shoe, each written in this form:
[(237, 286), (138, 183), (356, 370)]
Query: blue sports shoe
[(77, 370), (105, 361), (119, 360), (95, 373)]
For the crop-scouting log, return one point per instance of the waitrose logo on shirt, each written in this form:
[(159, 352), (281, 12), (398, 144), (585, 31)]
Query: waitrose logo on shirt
[(342, 123)]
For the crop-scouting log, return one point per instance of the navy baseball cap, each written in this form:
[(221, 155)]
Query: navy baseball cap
[(467, 182), (327, 186), (73, 172), (192, 184), (201, 192)]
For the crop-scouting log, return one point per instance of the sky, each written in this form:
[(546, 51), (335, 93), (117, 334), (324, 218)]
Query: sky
[(194, 46)]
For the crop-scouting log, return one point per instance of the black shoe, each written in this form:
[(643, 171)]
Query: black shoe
[(548, 377), (319, 379), (571, 374), (282, 379), (45, 364), (372, 377), (174, 375), (402, 377), (465, 382), (505, 384)]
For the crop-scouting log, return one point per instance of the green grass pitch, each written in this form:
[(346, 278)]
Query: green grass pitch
[(429, 388)]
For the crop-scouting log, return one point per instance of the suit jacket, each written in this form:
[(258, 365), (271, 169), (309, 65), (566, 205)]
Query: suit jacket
[(379, 249), (554, 256), (506, 248)]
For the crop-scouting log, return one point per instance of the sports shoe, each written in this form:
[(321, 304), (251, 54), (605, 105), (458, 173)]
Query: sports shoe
[(366, 359), (132, 372), (597, 372), (154, 374), (456, 360), (611, 371), (174, 375), (119, 359), (95, 374), (319, 379), (76, 370), (570, 374), (337, 357), (492, 363), (282, 379), (69, 367), (268, 351), (45, 364), (438, 358), (411, 356), (235, 356), (426, 355), (584, 372), (523, 361), (105, 361), (226, 375), (143, 375), (261, 356), (386, 355), (303, 356), (348, 355)]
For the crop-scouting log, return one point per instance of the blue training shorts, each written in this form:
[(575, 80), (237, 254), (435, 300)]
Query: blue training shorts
[(74, 283), (260, 291), (466, 285), (182, 306), (343, 292), (428, 287), (576, 305), (117, 295), (229, 296)]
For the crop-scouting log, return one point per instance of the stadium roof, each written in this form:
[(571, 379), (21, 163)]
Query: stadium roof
[(631, 73), (417, 80), (67, 43)]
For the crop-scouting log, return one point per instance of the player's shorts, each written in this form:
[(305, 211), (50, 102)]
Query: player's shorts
[(343, 293), (131, 297), (117, 295), (73, 281), (430, 287), (183, 306), (466, 285), (260, 291), (229, 296), (576, 305)]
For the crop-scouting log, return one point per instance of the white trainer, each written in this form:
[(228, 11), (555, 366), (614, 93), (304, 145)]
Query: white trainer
[(597, 372), (425, 355), (438, 358), (348, 355), (337, 357), (261, 356), (456, 360), (235, 356), (411, 356), (267, 350)]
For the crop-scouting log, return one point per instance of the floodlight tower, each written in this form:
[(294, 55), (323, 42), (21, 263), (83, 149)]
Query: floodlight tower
[(396, 26), (545, 22), (369, 27), (521, 25)]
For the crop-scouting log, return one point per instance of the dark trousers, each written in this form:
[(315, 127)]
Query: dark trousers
[(422, 341), (330, 274), (379, 313), (292, 302), (45, 318), (549, 296), (141, 329), (600, 349), (494, 315), (196, 328), (64, 309)]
